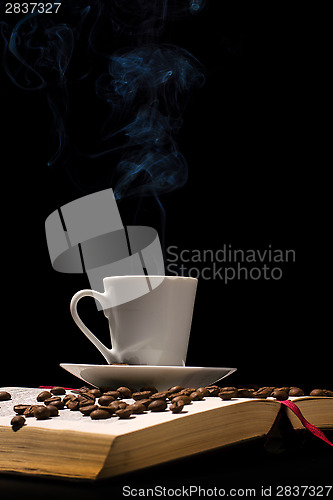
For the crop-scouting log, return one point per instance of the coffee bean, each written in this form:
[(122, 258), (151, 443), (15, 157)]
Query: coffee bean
[(69, 397), (188, 390), (175, 388), (42, 412), (284, 389), (58, 391), (114, 394), (84, 389), (86, 410), (125, 413), (141, 395), (157, 405), (86, 397), (145, 402), (263, 392), (328, 394), (137, 407), (29, 411), (19, 409), (213, 390), (96, 393), (245, 392), (177, 407), (49, 401), (159, 395), (204, 391), (279, 395), (17, 422), (43, 395), (53, 409), (105, 400), (107, 408), (57, 403), (5, 396), (186, 399), (73, 405), (100, 414), (227, 395), (295, 391), (196, 396), (150, 388), (125, 392), (230, 392)]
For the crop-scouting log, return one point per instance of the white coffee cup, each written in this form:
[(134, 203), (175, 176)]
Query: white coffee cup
[(149, 318)]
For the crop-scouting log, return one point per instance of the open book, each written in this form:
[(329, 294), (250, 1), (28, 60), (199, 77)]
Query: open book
[(75, 446)]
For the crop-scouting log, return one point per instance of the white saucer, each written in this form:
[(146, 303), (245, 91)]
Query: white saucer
[(137, 376)]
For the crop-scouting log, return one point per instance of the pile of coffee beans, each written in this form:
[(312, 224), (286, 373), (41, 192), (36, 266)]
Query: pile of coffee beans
[(105, 402)]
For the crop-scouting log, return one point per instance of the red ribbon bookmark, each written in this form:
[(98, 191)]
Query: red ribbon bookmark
[(312, 428)]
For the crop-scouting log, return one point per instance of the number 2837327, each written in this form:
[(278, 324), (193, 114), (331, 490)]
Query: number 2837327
[(32, 7)]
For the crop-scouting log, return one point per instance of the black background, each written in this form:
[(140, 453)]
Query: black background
[(247, 136), (243, 136)]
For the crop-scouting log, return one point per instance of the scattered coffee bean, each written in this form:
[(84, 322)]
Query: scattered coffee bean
[(145, 402), (86, 410), (186, 399), (157, 405), (279, 395), (204, 391), (177, 407), (245, 392), (124, 413), (263, 392), (5, 396), (43, 395), (196, 396), (295, 391), (213, 390), (49, 401), (141, 395), (58, 391), (229, 392), (188, 390), (125, 392), (96, 393), (114, 394), (105, 400), (159, 395), (150, 388), (29, 411), (175, 388), (19, 409), (17, 422), (58, 404), (73, 405), (84, 389), (284, 389), (42, 412), (107, 408), (69, 397), (100, 414), (137, 407), (86, 397), (227, 395), (53, 410)]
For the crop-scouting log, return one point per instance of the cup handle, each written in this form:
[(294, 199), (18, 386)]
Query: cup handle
[(108, 354)]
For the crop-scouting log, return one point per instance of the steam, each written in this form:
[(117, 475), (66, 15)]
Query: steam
[(146, 84), (150, 85)]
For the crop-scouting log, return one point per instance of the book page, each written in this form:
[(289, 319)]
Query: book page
[(75, 421)]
